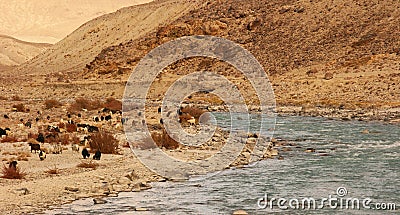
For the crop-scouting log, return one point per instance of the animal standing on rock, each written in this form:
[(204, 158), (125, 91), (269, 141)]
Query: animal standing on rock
[(97, 155), (42, 155), (85, 153)]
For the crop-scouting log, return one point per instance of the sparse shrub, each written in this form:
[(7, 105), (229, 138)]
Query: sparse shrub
[(12, 173), (19, 107), (61, 125), (32, 136), (9, 139), (164, 140), (16, 98), (104, 142), (3, 98), (113, 104), (70, 128), (52, 103), (89, 164), (53, 171), (193, 111), (82, 103)]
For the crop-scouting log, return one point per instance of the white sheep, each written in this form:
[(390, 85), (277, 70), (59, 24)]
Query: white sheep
[(192, 121)]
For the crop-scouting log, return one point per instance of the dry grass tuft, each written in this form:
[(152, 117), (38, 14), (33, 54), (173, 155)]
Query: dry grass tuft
[(19, 107), (164, 140), (53, 171), (82, 103), (113, 104), (9, 139), (89, 164), (16, 98), (52, 103), (103, 141), (12, 173)]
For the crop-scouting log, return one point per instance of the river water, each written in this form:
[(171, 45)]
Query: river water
[(367, 165)]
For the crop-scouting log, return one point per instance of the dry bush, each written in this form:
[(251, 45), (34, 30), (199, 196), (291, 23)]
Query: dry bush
[(16, 98), (22, 158), (20, 107), (3, 98), (164, 140), (11, 173), (32, 136), (103, 141), (113, 104), (52, 103), (61, 125), (53, 171), (89, 164), (184, 117), (193, 111), (66, 139), (82, 103), (70, 128), (9, 139)]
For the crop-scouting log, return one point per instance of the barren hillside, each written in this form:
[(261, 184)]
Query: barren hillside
[(44, 21), (85, 43), (14, 52)]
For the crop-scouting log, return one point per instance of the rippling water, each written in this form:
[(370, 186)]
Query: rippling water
[(367, 165)]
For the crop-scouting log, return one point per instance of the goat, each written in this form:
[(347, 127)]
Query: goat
[(192, 121), (108, 117), (92, 128), (34, 147), (42, 155), (13, 165), (85, 153), (97, 155), (40, 138), (75, 147), (6, 117), (3, 132), (28, 124)]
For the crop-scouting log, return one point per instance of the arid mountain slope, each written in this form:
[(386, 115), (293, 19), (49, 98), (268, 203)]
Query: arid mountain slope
[(85, 43), (322, 53), (45, 21), (14, 52)]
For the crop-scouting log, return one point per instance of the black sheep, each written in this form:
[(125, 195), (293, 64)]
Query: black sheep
[(85, 153), (13, 165), (97, 155), (34, 147), (40, 138)]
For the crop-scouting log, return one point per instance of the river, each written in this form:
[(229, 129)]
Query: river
[(365, 164)]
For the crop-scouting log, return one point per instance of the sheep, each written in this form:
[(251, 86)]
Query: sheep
[(75, 147), (192, 121), (6, 116), (34, 147), (13, 165), (56, 149), (85, 153), (97, 155), (42, 155)]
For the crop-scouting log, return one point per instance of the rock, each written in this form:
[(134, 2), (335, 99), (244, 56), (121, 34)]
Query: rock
[(21, 191), (365, 131), (72, 189), (124, 181), (239, 212), (141, 209), (132, 175), (274, 152), (310, 150), (99, 201), (328, 76)]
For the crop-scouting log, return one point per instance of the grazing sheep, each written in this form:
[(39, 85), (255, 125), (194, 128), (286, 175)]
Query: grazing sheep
[(75, 147), (192, 121), (34, 147), (108, 117), (42, 155), (56, 149), (13, 165), (40, 138), (97, 155), (6, 117), (85, 153)]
